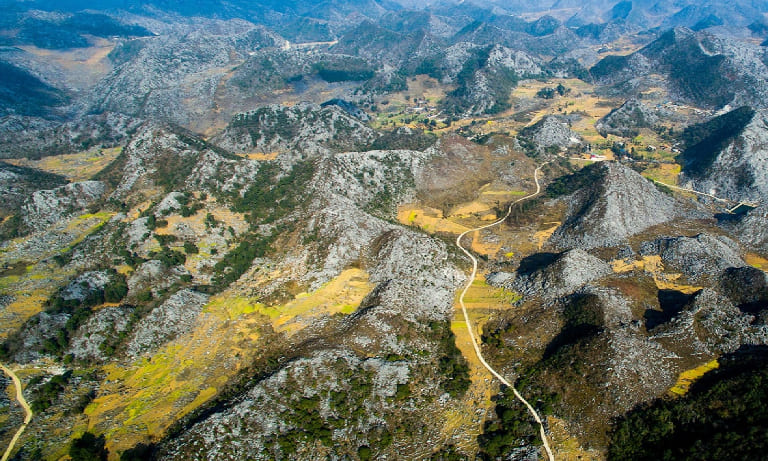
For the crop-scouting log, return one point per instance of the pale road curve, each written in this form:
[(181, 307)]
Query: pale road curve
[(24, 405), (469, 324), (693, 191)]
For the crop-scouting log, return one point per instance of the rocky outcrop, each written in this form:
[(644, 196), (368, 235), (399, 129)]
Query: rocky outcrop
[(18, 183), (153, 276), (175, 159), (305, 127), (710, 323), (565, 274), (31, 338), (550, 131), (614, 204), (628, 119), (731, 164), (175, 316), (105, 324), (47, 207), (697, 257), (752, 229), (746, 287), (85, 286)]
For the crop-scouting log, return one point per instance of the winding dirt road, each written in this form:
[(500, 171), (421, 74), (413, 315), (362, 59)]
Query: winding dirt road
[(532, 410), (683, 189), (24, 405)]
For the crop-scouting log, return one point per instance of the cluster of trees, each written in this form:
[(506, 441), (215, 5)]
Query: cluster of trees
[(723, 417), (452, 364), (551, 92), (512, 429), (566, 185)]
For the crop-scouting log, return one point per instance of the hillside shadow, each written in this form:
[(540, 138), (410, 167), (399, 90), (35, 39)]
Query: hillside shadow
[(671, 302), (534, 262)]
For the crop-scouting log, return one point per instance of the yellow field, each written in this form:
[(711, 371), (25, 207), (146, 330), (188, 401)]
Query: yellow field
[(566, 447), (666, 172), (429, 219), (688, 377), (75, 167), (757, 261), (542, 236), (152, 393), (655, 267), (260, 156), (461, 420), (341, 295)]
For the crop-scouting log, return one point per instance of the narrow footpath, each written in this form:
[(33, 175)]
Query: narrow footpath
[(532, 410), (24, 405)]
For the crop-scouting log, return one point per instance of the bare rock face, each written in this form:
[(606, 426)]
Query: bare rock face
[(87, 342), (401, 272), (47, 207), (550, 131), (84, 286), (710, 323), (305, 126), (752, 230), (153, 275), (566, 273), (627, 119), (619, 203), (696, 257), (175, 316), (737, 170)]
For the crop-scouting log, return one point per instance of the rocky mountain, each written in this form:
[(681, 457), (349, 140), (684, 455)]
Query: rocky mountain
[(34, 138), (628, 119), (229, 229), (612, 203), (175, 77), (696, 67), (549, 132), (726, 155), (304, 127), (46, 207)]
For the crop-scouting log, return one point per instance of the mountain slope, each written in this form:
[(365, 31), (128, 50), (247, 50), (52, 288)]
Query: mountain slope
[(615, 203)]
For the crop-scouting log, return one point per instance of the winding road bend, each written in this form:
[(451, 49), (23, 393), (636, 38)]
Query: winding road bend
[(24, 405), (469, 324)]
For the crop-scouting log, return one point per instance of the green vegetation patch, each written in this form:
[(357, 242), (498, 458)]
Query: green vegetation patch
[(723, 417), (452, 364), (568, 184)]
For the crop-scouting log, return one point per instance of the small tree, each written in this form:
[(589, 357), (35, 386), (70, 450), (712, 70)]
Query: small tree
[(89, 448)]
